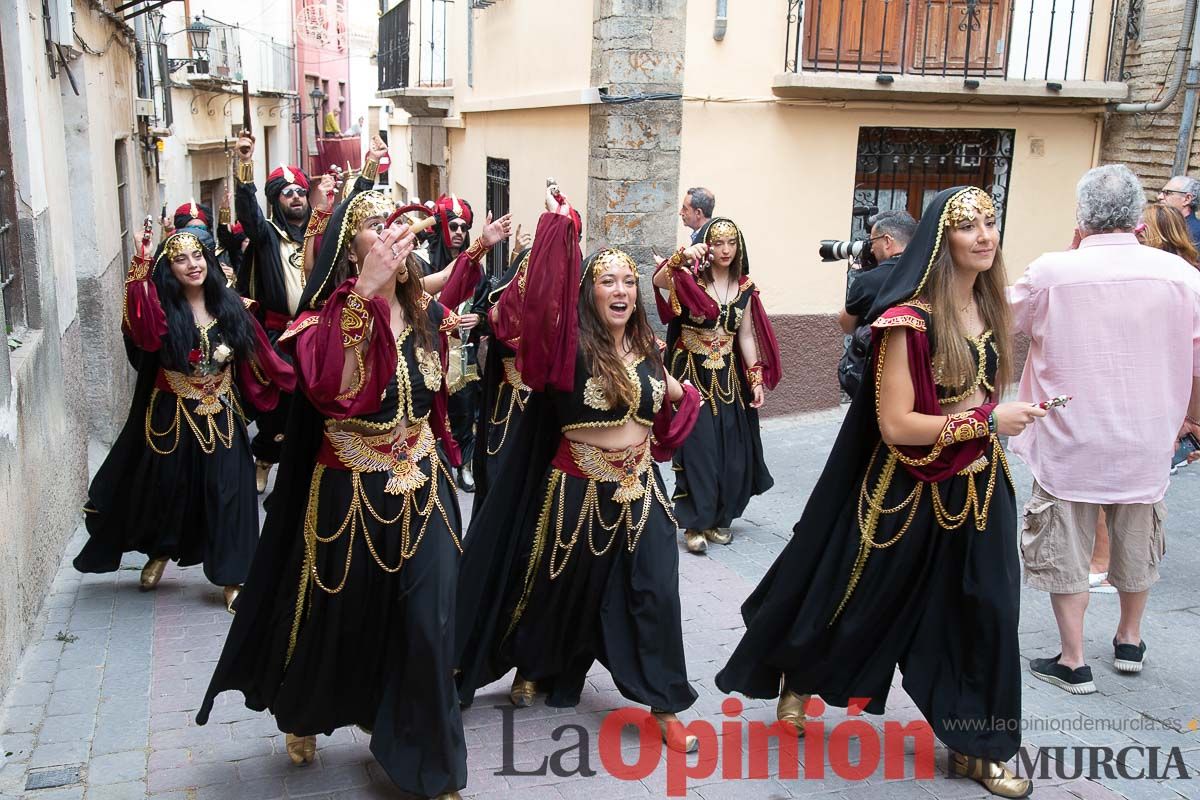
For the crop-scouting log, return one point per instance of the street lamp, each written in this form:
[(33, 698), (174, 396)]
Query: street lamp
[(198, 34), (316, 96)]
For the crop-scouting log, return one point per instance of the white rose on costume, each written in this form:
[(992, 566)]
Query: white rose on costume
[(222, 353)]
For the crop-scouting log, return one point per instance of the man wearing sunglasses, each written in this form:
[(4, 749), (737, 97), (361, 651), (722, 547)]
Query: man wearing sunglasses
[(1183, 193)]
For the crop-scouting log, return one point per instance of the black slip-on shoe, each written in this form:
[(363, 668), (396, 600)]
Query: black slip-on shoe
[(1075, 681), (1129, 657)]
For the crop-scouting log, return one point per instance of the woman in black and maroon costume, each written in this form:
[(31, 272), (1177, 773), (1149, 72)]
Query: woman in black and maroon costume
[(572, 557), (906, 553), (347, 617), (178, 484), (720, 339)]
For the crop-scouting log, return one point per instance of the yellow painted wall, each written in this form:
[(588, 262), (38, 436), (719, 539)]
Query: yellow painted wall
[(526, 47), (539, 143), (798, 161), (786, 175)]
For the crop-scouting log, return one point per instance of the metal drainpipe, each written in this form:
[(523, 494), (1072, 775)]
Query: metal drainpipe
[(1181, 49), (1187, 122), (721, 21)]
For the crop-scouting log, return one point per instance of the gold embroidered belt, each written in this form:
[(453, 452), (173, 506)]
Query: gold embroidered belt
[(206, 390), (625, 467), (713, 344), (512, 377), (399, 452)]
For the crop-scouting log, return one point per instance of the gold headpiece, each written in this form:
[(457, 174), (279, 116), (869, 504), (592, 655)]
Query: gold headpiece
[(179, 244), (721, 229), (966, 204), (362, 208), (611, 259)]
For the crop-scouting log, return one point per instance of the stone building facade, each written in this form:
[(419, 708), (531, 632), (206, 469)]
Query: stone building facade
[(76, 178)]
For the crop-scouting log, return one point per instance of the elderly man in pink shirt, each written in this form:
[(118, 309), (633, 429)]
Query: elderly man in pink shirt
[(1116, 325)]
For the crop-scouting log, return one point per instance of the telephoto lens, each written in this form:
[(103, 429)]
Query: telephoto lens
[(839, 250)]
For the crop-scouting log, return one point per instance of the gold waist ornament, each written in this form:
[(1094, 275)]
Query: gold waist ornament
[(714, 345), (623, 467), (206, 390), (397, 452)]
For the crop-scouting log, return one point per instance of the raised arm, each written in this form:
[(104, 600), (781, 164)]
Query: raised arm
[(142, 316), (245, 198), (541, 323)]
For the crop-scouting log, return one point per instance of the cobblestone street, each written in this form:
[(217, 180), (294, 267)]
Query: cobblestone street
[(104, 704)]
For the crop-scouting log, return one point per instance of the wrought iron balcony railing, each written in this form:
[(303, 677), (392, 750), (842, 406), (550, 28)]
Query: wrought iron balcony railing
[(399, 43), (1024, 40)]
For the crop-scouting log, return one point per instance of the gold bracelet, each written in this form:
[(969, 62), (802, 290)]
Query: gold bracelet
[(676, 260), (370, 170), (223, 215), (477, 250), (355, 320), (754, 376), (139, 269), (245, 172), (962, 427), (318, 222)]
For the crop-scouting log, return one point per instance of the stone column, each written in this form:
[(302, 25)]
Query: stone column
[(633, 158)]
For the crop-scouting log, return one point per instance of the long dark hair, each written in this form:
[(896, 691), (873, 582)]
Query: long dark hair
[(221, 302), (601, 353)]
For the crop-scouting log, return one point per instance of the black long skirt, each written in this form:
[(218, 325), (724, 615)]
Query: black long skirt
[(503, 418), (612, 597), (942, 604), (720, 465), (184, 494), (374, 647)]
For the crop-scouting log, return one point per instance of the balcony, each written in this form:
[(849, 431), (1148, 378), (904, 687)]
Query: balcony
[(989, 51), (224, 64), (412, 67), (276, 67), (336, 151)]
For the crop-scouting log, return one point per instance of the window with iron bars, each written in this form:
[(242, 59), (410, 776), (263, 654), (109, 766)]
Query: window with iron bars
[(497, 204), (903, 168)]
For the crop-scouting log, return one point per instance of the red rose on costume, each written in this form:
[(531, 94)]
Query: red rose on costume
[(194, 356)]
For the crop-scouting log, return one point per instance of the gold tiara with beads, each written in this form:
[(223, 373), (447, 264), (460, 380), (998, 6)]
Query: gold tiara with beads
[(180, 244), (721, 230), (365, 206), (966, 204), (611, 259)]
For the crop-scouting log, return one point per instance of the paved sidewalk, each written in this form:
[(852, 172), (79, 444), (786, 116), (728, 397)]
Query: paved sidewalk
[(104, 704)]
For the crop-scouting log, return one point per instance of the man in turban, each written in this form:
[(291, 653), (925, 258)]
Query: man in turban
[(274, 271)]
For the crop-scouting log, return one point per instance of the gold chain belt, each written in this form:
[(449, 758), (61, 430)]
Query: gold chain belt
[(206, 390), (624, 467), (714, 346), (398, 452), (512, 377)]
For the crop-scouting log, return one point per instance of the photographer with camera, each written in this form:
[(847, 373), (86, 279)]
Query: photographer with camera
[(891, 231)]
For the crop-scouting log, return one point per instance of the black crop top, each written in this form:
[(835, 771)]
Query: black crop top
[(987, 362), (587, 407), (730, 316)]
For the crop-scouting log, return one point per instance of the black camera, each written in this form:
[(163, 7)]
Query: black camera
[(855, 250)]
